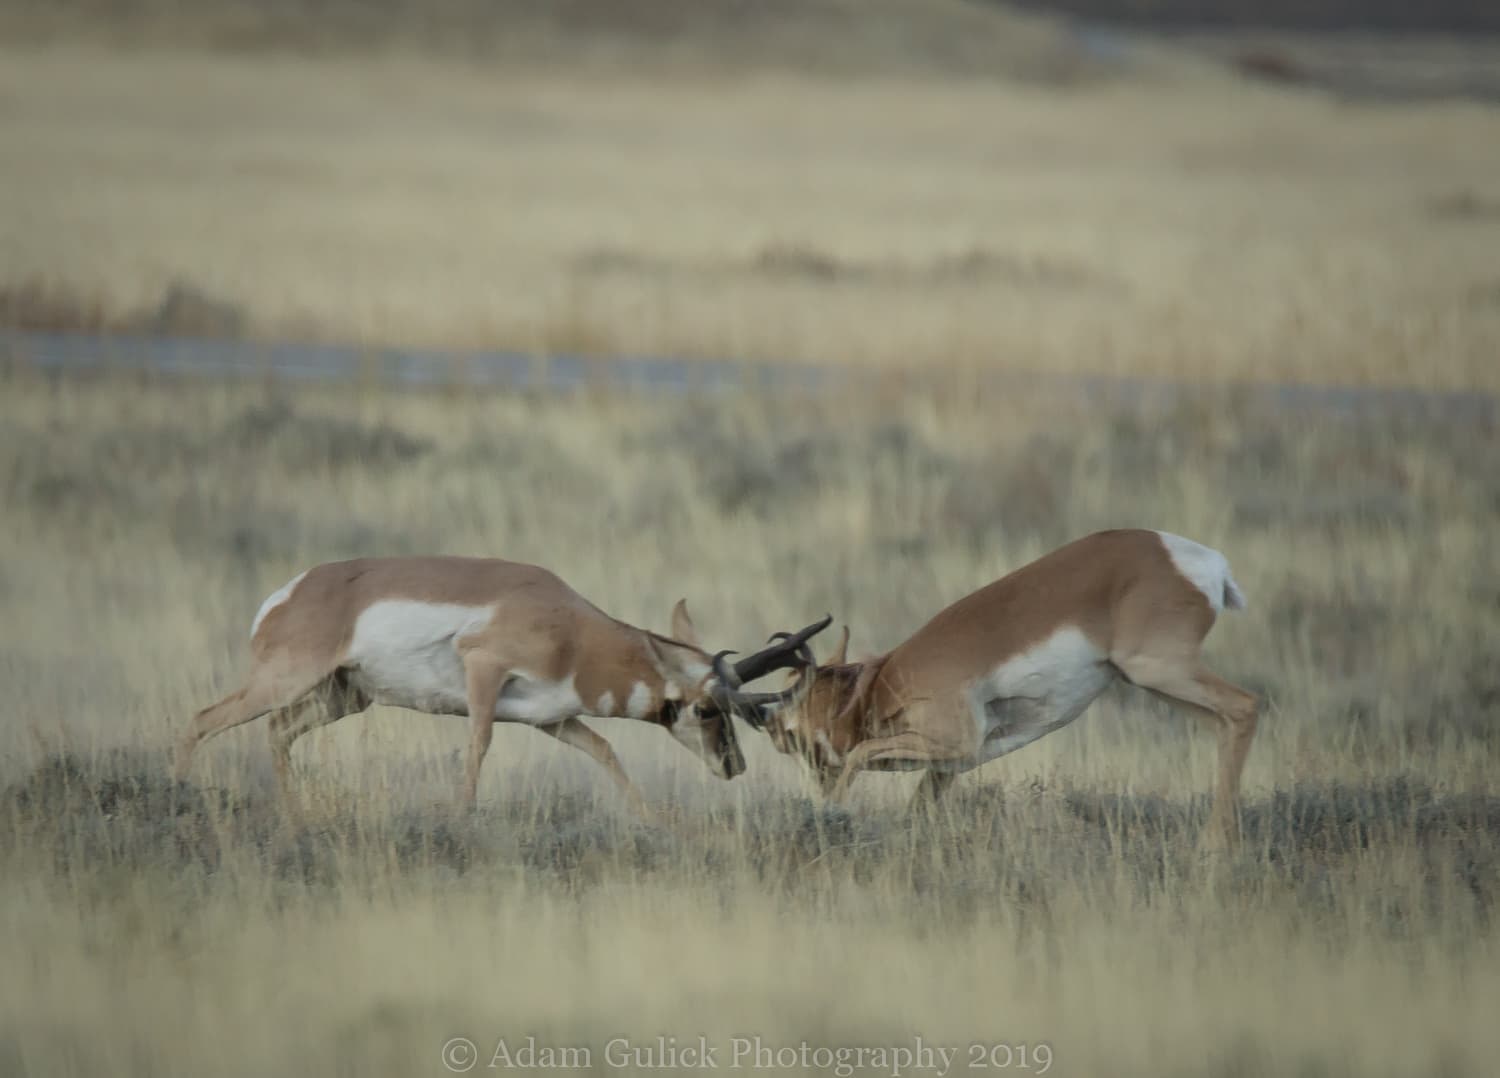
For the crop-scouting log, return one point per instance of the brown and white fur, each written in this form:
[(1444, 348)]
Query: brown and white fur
[(1024, 656), (494, 640)]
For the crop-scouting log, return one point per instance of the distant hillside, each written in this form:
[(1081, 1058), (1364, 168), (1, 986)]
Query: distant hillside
[(826, 36), (1433, 16)]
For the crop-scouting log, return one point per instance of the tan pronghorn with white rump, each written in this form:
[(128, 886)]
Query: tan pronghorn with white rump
[(1022, 657), (495, 640)]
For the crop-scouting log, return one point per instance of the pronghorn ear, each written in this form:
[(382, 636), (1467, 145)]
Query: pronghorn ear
[(841, 653), (682, 624)]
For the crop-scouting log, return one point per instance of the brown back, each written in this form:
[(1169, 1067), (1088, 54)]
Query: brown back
[(1084, 584)]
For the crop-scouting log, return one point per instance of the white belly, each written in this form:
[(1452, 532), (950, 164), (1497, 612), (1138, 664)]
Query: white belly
[(1032, 694), (405, 654)]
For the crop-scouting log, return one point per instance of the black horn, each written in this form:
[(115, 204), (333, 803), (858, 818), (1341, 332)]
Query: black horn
[(804, 652), (749, 705), (787, 651), (724, 691), (753, 707), (726, 674)]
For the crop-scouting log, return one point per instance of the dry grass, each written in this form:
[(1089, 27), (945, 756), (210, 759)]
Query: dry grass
[(1162, 220), (153, 929)]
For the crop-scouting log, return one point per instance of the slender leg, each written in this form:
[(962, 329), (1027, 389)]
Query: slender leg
[(827, 778), (574, 732), (1237, 715), (286, 725), (329, 702), (484, 679), (264, 691), (930, 790), (908, 745)]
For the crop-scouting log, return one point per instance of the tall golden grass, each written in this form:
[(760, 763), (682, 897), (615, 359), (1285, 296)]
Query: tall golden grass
[(1174, 222), (208, 928)]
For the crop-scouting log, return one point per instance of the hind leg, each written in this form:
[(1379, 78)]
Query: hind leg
[(266, 690), (1188, 681), (331, 701)]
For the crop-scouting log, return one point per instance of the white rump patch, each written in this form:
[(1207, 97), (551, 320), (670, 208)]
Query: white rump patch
[(1206, 569), (275, 599)]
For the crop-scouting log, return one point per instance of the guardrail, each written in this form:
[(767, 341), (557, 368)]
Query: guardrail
[(562, 372)]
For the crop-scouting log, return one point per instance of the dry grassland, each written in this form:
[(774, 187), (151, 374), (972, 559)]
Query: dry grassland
[(1158, 219), (159, 930)]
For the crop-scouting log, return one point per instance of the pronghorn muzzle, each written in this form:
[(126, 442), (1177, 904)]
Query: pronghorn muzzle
[(731, 756)]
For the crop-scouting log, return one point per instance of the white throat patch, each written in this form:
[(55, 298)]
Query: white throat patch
[(638, 705)]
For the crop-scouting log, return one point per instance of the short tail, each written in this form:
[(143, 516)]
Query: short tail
[(1234, 599)]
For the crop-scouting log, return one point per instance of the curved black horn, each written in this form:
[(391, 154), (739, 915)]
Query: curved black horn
[(804, 652), (751, 706), (786, 652), (726, 674), (766, 699)]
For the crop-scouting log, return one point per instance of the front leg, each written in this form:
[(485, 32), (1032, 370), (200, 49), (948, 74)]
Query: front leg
[(930, 790), (908, 745), (484, 678), (574, 732), (826, 777)]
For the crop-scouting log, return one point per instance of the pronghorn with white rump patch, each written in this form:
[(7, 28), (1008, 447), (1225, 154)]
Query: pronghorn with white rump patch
[(495, 640), (1022, 657)]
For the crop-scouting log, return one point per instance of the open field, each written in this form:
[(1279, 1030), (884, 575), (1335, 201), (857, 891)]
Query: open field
[(157, 930), (1017, 202), (931, 187)]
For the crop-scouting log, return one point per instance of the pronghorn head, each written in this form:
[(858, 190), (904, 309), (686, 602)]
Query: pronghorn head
[(803, 723), (701, 715)]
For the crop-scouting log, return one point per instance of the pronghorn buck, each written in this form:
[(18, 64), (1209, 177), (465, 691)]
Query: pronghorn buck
[(497, 641), (1022, 657)]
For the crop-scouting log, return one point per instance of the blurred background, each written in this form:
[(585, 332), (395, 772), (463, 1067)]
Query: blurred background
[(1209, 191)]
